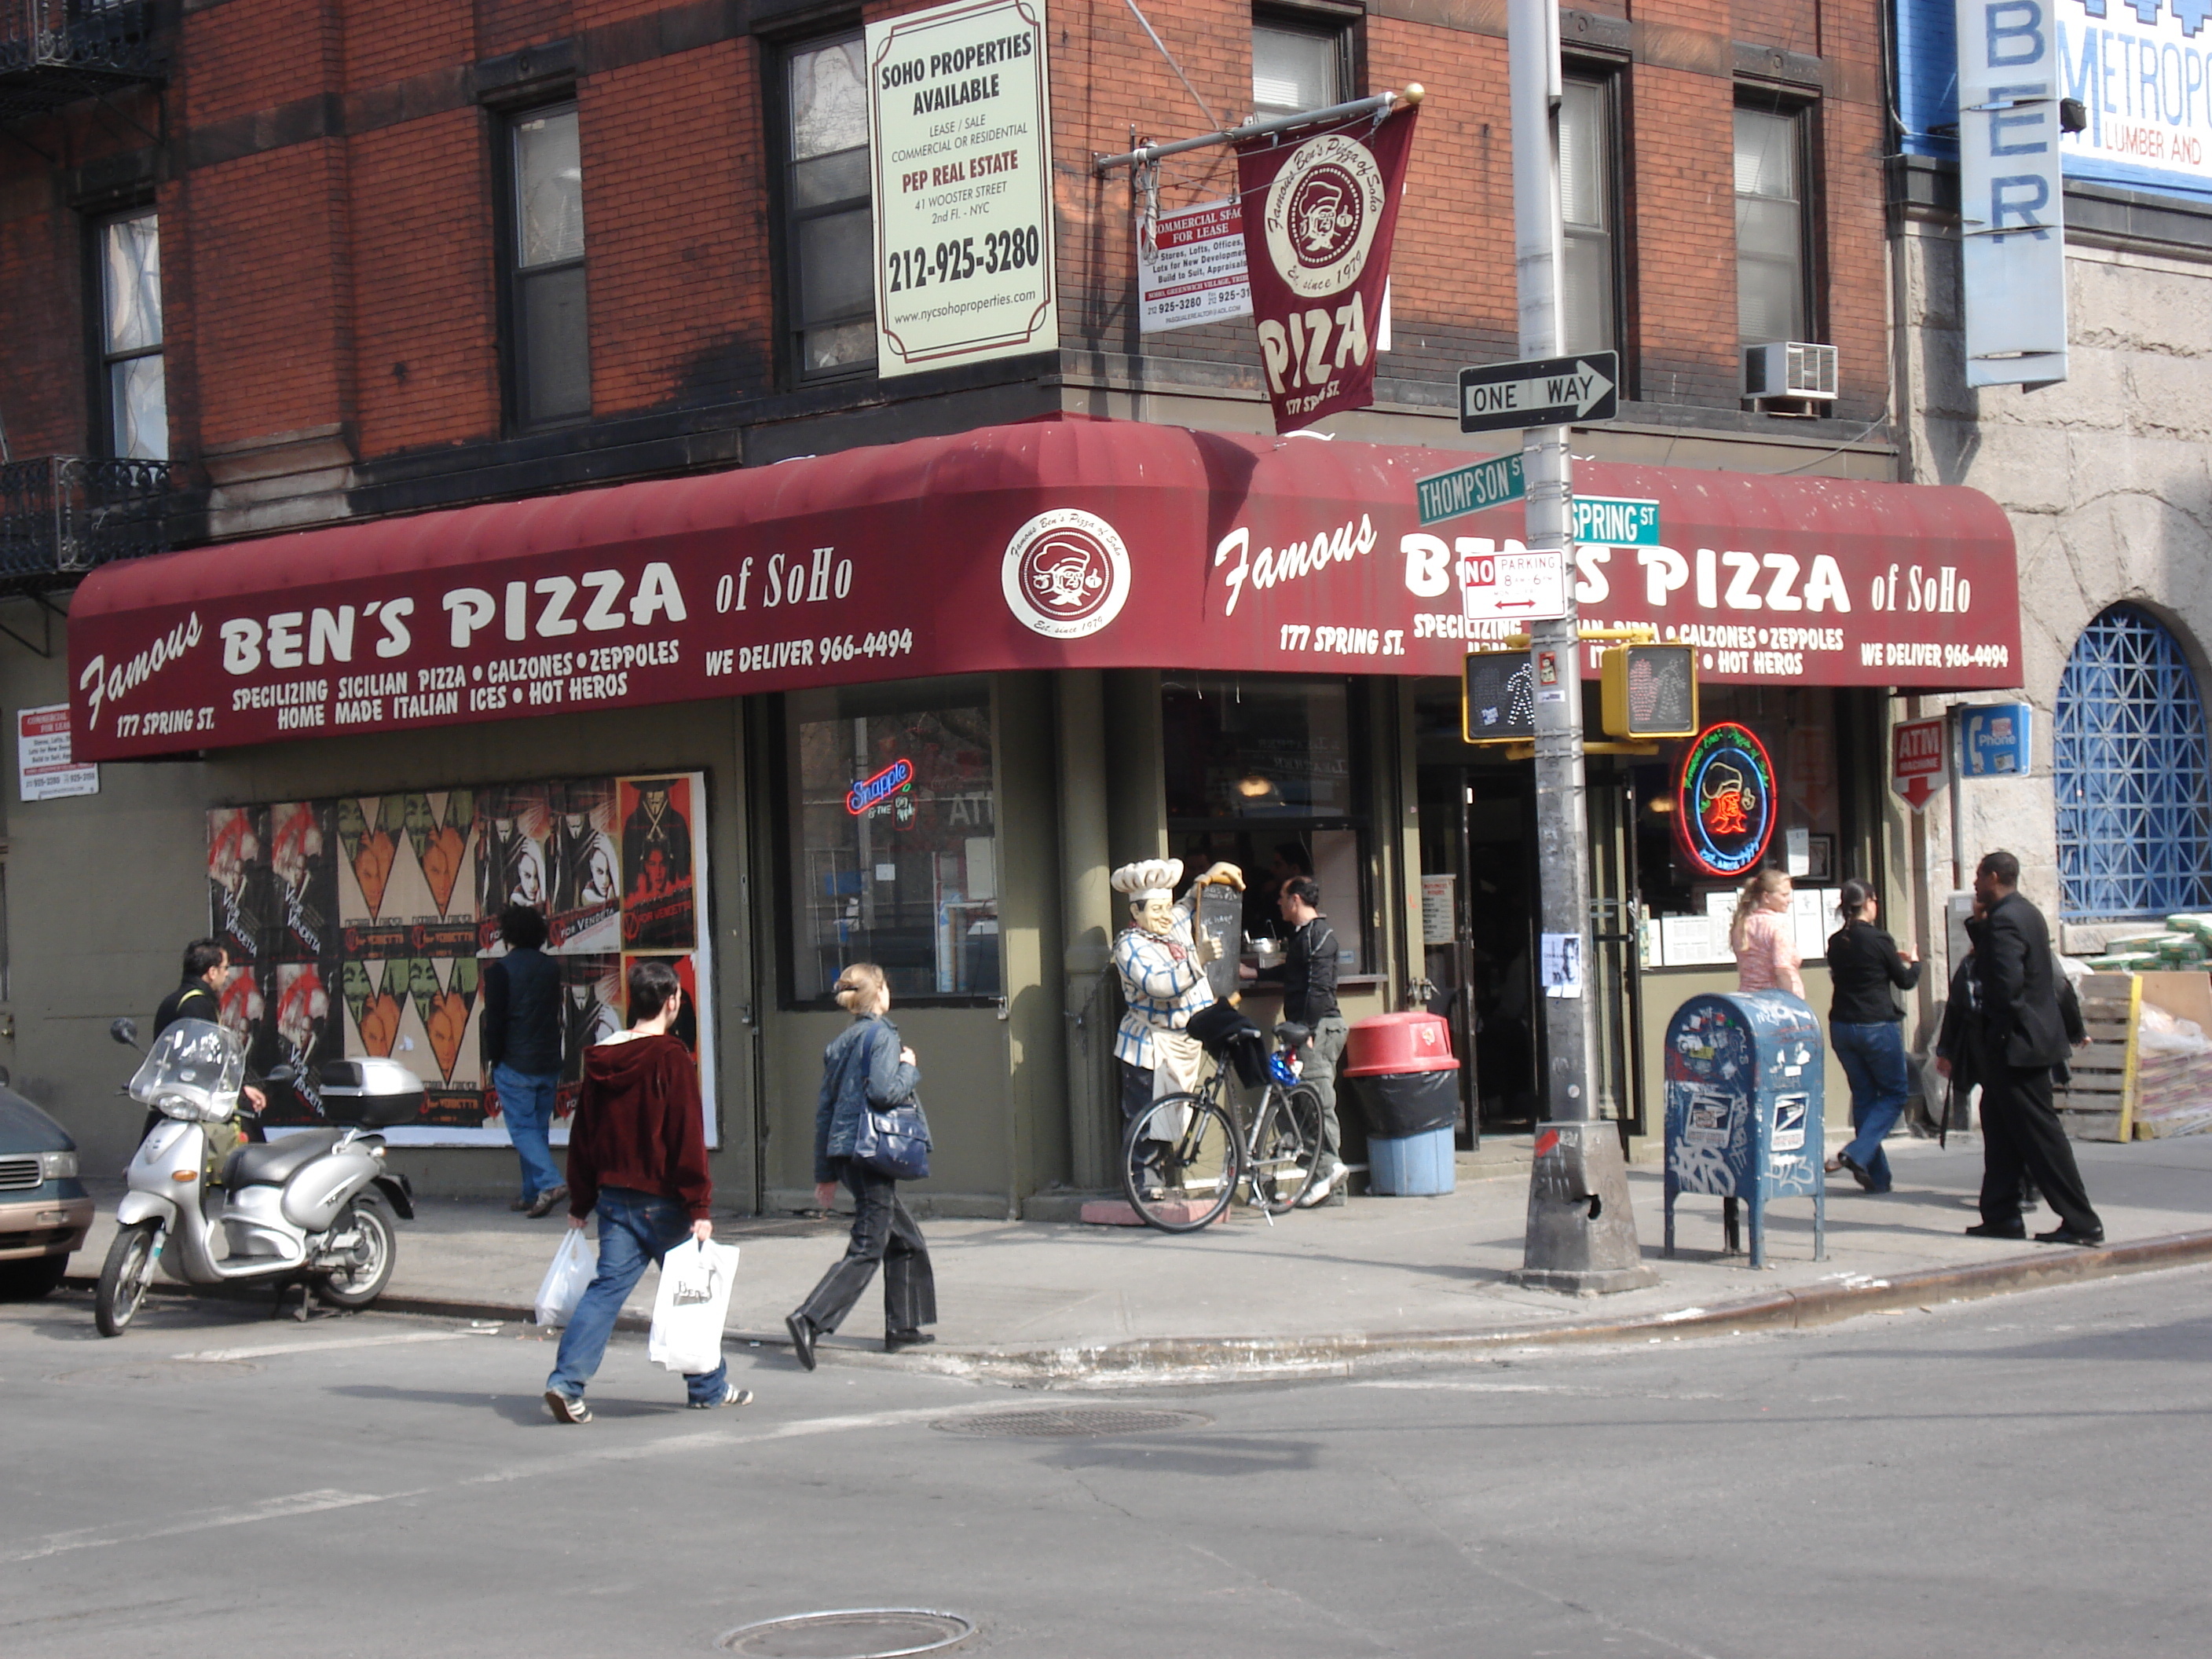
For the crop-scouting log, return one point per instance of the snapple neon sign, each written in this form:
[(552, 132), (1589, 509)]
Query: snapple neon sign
[(871, 793)]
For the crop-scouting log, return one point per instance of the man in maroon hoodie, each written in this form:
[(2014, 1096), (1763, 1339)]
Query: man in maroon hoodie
[(637, 1154)]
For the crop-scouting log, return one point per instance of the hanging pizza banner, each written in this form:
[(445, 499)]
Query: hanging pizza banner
[(1319, 214), (1724, 801)]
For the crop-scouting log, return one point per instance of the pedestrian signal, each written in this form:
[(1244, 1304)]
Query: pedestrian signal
[(1650, 691), (1497, 698)]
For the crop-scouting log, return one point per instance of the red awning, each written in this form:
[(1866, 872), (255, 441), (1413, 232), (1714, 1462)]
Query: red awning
[(1071, 544)]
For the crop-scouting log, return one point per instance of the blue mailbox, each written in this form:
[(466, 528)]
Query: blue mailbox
[(1744, 1074)]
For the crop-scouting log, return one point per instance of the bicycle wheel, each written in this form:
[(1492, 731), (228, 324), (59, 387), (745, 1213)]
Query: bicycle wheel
[(1181, 1162), (1282, 1149)]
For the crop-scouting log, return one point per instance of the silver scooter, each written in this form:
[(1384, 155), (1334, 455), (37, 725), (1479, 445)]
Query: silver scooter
[(313, 1208)]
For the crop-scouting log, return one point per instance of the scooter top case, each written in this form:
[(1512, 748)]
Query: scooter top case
[(375, 1093)]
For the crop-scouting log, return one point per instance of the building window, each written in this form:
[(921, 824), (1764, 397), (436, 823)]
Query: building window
[(1265, 774), (1299, 67), (828, 228), (1589, 166), (2131, 774), (893, 827), (133, 381), (552, 349), (1770, 225)]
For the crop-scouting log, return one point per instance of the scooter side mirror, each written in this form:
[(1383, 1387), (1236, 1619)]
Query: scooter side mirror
[(124, 1031)]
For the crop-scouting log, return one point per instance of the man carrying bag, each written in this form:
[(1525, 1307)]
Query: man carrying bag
[(637, 1154)]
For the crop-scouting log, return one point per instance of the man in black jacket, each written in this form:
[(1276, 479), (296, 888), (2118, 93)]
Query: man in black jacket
[(2019, 1035), (199, 996), (1309, 973), (522, 1050)]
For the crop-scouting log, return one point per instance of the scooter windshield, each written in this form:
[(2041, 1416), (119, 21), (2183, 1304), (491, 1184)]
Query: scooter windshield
[(192, 1072)]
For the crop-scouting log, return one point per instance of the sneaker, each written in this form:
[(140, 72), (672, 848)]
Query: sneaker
[(547, 1201), (566, 1409), (731, 1395), (1318, 1188)]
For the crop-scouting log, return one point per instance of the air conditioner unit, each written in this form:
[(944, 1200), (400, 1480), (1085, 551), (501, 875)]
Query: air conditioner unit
[(1790, 369)]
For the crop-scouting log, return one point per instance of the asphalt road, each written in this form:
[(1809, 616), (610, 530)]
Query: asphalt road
[(2023, 1476)]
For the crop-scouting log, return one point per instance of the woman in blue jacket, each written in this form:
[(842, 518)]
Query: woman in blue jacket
[(865, 1065)]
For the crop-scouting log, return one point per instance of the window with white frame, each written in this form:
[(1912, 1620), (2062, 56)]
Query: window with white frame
[(1299, 67), (552, 341), (133, 374), (1589, 166), (1772, 301), (829, 232)]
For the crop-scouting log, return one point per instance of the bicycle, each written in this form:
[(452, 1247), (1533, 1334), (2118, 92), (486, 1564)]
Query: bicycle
[(1185, 1156)]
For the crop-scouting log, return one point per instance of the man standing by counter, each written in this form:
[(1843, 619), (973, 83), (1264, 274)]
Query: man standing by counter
[(1308, 975)]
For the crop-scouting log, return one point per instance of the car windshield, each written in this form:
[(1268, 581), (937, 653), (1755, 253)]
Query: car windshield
[(193, 1071)]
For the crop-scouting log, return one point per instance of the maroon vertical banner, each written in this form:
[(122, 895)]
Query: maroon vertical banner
[(1319, 214)]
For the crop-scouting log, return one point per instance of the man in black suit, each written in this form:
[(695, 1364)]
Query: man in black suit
[(2019, 1035)]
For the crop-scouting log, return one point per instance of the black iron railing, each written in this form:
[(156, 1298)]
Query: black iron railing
[(60, 515), (54, 52)]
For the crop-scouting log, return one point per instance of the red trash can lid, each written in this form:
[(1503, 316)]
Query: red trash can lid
[(1410, 1042)]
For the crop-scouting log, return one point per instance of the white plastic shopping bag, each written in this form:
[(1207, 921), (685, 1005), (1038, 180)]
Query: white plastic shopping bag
[(696, 1279), (574, 1264)]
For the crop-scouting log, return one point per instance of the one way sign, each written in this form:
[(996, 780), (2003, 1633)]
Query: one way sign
[(1550, 392)]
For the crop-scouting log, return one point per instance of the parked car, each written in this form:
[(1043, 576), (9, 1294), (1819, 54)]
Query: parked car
[(45, 1210)]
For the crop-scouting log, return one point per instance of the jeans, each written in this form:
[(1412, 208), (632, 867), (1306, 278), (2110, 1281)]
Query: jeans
[(883, 1231), (635, 1230), (1873, 1058), (527, 1103)]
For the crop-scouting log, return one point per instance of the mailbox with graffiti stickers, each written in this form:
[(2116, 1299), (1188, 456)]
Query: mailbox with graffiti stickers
[(1724, 801), (1743, 1108)]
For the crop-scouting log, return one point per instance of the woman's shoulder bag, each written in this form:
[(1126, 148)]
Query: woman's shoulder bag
[(893, 1140)]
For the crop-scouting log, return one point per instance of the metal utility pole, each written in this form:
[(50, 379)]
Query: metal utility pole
[(1582, 1232)]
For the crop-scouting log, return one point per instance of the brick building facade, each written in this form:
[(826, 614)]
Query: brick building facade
[(329, 181), (358, 262)]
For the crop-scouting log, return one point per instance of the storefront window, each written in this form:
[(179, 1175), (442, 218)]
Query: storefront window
[(1264, 772), (893, 838)]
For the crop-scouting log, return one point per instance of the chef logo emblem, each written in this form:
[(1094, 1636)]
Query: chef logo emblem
[(1066, 574), (1322, 212)]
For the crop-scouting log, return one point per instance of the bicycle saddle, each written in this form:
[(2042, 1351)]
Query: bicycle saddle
[(1293, 1035)]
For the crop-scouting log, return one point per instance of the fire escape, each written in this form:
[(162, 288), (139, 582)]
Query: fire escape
[(60, 515)]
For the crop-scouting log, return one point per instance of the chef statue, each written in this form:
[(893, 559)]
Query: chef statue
[(1162, 968)]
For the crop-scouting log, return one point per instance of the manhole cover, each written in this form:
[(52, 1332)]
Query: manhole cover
[(153, 1373), (1070, 1423), (851, 1634)]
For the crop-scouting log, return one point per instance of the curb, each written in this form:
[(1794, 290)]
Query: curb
[(1201, 1359), (1197, 1360)]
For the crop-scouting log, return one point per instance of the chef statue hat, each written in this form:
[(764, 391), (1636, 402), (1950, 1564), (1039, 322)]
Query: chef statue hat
[(1147, 879)]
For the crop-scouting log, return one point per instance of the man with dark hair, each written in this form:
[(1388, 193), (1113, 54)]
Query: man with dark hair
[(522, 1050), (1309, 973), (2019, 1033), (207, 970), (637, 1154)]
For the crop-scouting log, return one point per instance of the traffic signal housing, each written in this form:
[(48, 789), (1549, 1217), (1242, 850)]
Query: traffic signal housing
[(1650, 691)]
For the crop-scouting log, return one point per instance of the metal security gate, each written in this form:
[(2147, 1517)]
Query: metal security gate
[(2132, 774)]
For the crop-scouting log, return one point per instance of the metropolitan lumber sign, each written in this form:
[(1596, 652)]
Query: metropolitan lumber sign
[(959, 129)]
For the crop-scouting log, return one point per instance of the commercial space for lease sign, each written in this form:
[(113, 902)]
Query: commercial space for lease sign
[(959, 128)]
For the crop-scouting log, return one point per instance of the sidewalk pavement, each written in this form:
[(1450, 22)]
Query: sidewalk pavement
[(1378, 1280)]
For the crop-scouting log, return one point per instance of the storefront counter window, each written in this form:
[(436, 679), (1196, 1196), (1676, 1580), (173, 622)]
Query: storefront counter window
[(1265, 772), (892, 843)]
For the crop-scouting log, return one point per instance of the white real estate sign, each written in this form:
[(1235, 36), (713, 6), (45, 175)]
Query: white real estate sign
[(1194, 271), (960, 133), (45, 769), (2013, 247)]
